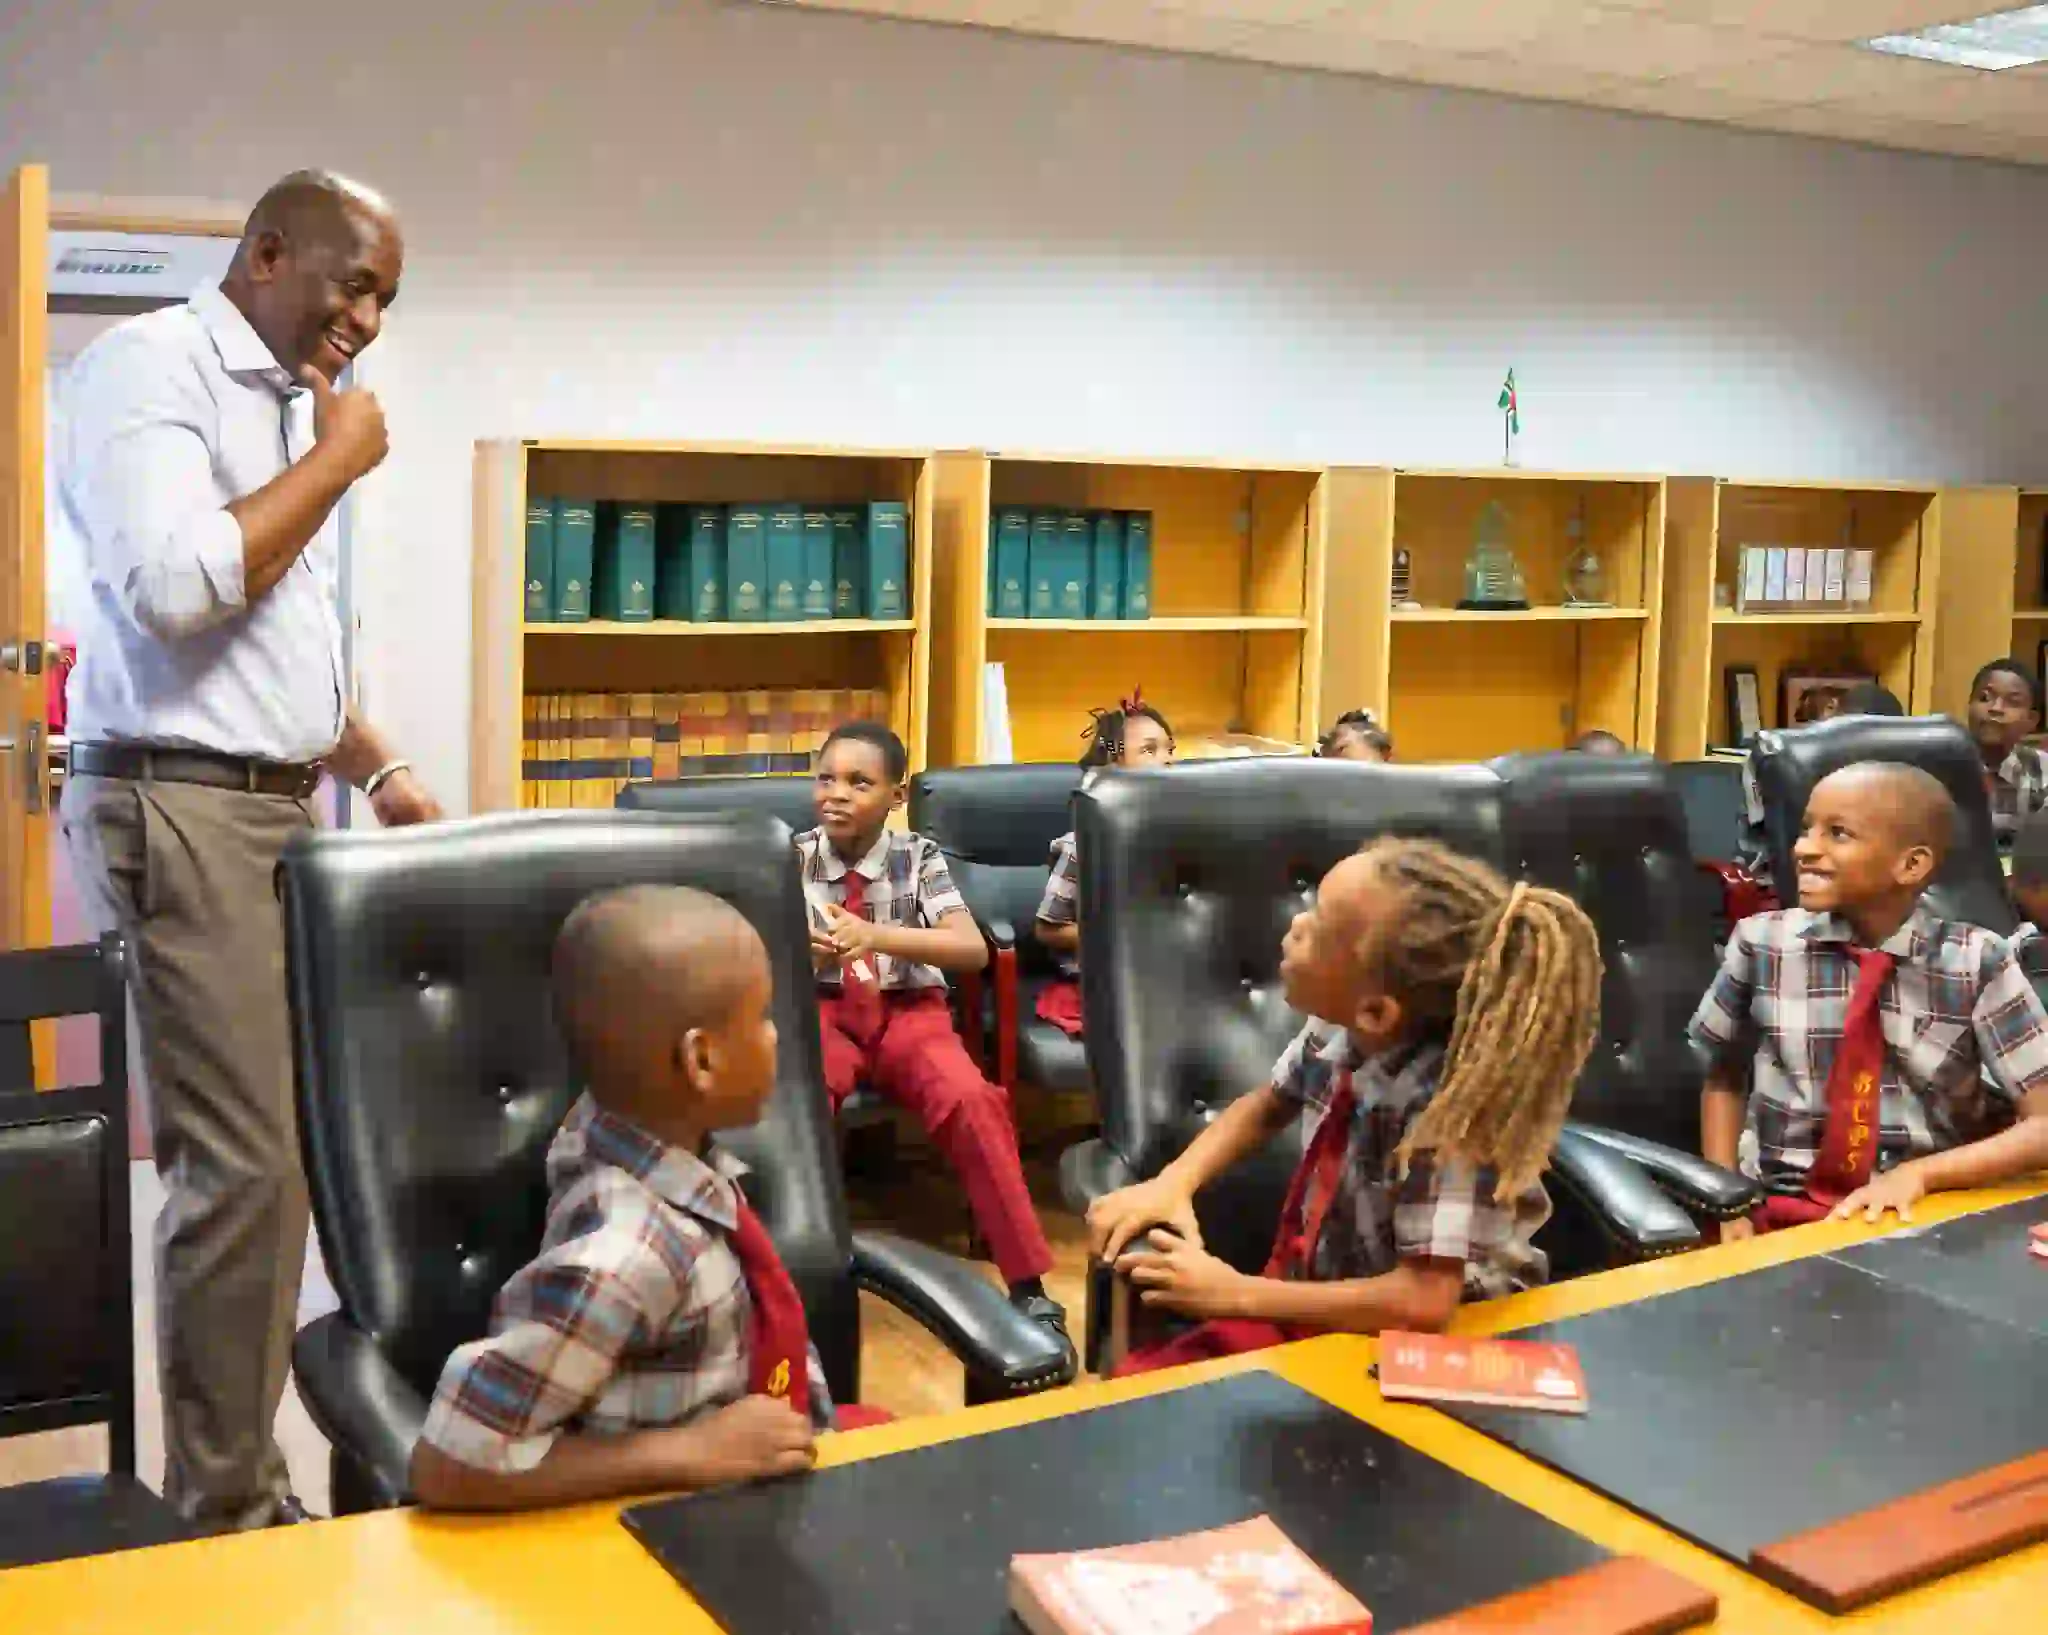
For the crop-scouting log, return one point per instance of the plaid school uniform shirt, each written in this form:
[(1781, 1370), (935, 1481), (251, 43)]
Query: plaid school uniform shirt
[(1061, 904), (634, 1314), (1438, 1210), (2017, 788), (1965, 1036), (908, 885)]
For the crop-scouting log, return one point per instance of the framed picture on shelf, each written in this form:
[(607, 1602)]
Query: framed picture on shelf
[(1745, 699), (1806, 696)]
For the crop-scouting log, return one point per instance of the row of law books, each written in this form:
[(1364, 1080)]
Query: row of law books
[(633, 562), (581, 749), (1069, 564)]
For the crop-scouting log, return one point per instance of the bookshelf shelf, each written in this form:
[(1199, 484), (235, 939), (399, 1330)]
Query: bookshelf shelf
[(1708, 522), (1546, 673), (676, 629), (806, 669), (1237, 579), (2030, 614)]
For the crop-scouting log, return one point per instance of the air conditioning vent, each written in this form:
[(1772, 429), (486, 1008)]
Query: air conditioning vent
[(160, 267)]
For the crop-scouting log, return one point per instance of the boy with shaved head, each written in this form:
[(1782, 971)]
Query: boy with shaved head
[(1865, 1052), (656, 1342)]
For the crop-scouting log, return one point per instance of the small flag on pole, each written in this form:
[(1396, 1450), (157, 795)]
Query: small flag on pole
[(1509, 405)]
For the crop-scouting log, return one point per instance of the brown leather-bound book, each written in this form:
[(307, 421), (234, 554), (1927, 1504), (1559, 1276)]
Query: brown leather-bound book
[(1248, 1579), (1503, 1373)]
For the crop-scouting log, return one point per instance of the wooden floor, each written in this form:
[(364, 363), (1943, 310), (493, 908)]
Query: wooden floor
[(903, 1369)]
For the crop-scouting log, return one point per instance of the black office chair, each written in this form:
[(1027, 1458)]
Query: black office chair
[(1716, 810), (1611, 834), (431, 1081), (67, 1304), (784, 795), (1194, 874), (1970, 885), (996, 825)]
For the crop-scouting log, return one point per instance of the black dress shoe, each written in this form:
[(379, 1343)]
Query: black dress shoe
[(1048, 1313)]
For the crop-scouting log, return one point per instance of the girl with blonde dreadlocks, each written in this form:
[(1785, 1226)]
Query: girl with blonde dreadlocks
[(1451, 1015), (1132, 734)]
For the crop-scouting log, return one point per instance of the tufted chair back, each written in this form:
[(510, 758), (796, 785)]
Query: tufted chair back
[(785, 796), (1194, 874), (1610, 833), (1970, 885), (431, 1078), (996, 825)]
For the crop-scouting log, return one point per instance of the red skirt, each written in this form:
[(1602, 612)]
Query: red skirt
[(1222, 1337), (858, 1416), (1060, 1004)]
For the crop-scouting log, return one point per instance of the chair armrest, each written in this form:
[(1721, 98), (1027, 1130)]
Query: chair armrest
[(1620, 1198), (1006, 1353), (1702, 1186), (361, 1403), (1742, 894), (1001, 978), (1088, 1169)]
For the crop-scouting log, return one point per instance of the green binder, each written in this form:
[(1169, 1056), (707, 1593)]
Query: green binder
[(1106, 568), (746, 564), (671, 562), (818, 582), (575, 556), (1043, 565), (888, 560), (1137, 564), (1070, 587), (707, 564), (624, 582), (540, 561), (1012, 562), (785, 562), (849, 557)]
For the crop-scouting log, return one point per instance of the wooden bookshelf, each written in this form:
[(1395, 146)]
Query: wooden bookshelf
[(511, 658), (1237, 595), (1542, 675), (1709, 520)]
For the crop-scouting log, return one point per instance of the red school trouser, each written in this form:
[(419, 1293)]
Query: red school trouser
[(917, 1061), (1219, 1337)]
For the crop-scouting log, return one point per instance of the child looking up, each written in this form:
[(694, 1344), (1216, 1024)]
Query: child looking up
[(1866, 1052), (1356, 735), (2005, 708), (1132, 734), (887, 925), (655, 1342), (1451, 1013)]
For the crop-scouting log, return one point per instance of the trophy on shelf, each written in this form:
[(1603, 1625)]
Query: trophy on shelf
[(1493, 578), (1404, 579), (1585, 579)]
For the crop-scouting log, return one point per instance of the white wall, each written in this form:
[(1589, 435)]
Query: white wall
[(689, 219)]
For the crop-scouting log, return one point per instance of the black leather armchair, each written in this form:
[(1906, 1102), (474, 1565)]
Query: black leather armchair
[(1970, 885), (996, 825), (782, 795), (431, 1081), (1710, 793), (67, 1304), (1194, 874), (1610, 833)]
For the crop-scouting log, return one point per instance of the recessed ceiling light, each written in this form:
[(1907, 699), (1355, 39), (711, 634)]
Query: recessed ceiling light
[(2004, 39)]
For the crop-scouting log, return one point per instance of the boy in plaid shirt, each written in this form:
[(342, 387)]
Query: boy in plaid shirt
[(1867, 1053), (886, 925), (656, 1342), (1452, 1014), (2005, 710)]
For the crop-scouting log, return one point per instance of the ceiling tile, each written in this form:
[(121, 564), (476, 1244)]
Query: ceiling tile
[(1826, 21), (1637, 45), (1340, 53), (1676, 99), (1478, 26), (1513, 76), (1256, 13), (1142, 22), (1825, 73), (1850, 125)]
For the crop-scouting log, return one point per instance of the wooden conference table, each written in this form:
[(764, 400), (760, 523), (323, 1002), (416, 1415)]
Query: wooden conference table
[(571, 1572)]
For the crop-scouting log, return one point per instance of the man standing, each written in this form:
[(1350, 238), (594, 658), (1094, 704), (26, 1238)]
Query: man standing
[(208, 698)]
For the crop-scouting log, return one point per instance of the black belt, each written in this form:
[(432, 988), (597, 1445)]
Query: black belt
[(145, 763)]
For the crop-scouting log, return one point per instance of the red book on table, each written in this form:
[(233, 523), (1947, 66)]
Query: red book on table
[(1499, 1373)]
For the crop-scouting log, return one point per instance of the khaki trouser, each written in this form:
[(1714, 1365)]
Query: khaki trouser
[(184, 873)]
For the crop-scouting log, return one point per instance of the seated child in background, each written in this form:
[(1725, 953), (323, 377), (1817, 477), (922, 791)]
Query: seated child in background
[(1866, 1052), (2005, 708), (1356, 736), (1599, 742), (1451, 1015), (2028, 884), (1132, 734), (887, 925), (1753, 852), (656, 1342)]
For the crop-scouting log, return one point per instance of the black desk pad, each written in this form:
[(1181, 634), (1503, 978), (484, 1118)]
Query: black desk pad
[(1978, 1263), (1747, 1410), (919, 1543)]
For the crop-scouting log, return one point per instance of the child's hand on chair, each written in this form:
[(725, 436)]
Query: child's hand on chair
[(1117, 1217), (1183, 1277)]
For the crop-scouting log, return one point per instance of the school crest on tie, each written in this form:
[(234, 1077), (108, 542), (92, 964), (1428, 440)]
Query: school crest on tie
[(778, 1379)]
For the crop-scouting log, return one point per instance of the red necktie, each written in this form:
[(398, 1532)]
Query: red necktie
[(1314, 1185), (858, 985), (1848, 1143), (778, 1338)]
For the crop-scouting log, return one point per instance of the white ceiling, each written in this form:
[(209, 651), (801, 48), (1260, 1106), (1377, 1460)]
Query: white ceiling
[(1775, 65)]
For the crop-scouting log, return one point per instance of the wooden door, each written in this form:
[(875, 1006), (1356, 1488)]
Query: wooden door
[(24, 753)]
